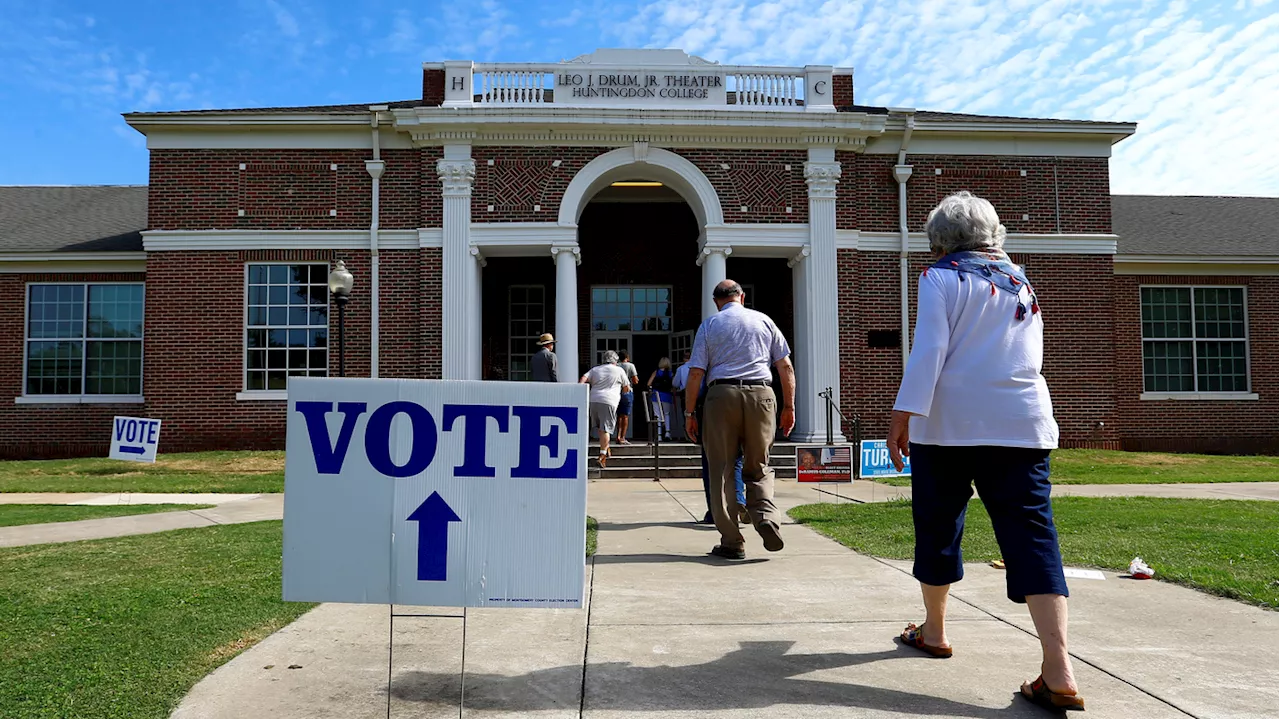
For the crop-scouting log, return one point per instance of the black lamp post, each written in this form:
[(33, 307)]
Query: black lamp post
[(340, 282)]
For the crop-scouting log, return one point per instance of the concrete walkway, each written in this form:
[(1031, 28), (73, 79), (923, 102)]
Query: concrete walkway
[(806, 632), (256, 508)]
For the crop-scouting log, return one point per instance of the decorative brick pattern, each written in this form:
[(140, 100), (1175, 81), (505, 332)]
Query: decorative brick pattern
[(524, 184), (1238, 427), (1079, 200), (430, 272), (203, 189), (766, 182), (431, 209), (287, 190)]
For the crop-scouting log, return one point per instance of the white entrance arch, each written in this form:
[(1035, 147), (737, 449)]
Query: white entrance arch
[(642, 163)]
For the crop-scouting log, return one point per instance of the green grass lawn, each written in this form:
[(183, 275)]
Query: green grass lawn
[(593, 528), (124, 627), (12, 515), (1100, 466), (1224, 547), (232, 472)]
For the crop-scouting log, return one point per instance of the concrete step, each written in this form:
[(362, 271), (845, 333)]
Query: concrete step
[(677, 449), (614, 471)]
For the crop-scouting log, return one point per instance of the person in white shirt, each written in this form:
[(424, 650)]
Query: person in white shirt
[(973, 409), (608, 383)]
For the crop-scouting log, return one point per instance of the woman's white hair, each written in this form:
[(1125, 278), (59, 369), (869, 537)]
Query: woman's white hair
[(962, 222), (610, 357)]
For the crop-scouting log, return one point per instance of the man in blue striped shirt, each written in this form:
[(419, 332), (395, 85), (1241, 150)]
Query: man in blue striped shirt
[(734, 350)]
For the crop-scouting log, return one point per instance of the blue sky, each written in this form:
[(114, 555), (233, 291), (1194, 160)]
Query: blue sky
[(1201, 78)]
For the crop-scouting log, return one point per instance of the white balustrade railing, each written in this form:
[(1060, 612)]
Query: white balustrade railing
[(751, 87)]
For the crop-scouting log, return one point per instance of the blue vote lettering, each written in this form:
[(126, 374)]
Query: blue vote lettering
[(330, 455)]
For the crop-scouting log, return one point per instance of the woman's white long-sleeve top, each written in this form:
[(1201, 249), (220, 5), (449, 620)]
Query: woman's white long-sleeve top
[(974, 372)]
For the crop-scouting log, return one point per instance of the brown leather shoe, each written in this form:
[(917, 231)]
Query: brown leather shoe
[(769, 533), (728, 552)]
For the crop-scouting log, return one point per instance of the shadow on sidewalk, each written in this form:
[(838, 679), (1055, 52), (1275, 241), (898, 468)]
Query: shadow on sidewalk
[(674, 558), (685, 524), (758, 675)]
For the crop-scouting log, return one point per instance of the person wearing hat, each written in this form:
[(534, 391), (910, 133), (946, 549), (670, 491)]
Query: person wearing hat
[(543, 364)]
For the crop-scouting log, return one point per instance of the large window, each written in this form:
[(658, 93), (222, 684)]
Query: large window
[(286, 324), (84, 339), (631, 309), (527, 316), (1194, 339)]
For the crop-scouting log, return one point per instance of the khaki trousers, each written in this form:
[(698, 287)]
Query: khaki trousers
[(740, 417)]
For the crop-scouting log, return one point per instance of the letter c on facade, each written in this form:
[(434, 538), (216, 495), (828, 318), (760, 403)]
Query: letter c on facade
[(817, 87)]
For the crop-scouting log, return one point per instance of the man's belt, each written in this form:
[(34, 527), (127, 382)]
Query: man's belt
[(742, 382)]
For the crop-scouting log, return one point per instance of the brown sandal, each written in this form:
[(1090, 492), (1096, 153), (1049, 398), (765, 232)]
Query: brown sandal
[(913, 636), (1039, 693)]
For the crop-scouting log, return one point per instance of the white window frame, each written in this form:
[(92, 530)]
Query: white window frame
[(670, 303), (81, 398), (1247, 395), (246, 394)]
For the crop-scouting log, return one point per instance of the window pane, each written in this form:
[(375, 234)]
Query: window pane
[(299, 295), (110, 368), (277, 380), (54, 367), (278, 274), (320, 275), (256, 380), (1166, 312), (1222, 367), (257, 274), (115, 311), (1220, 312), (51, 303), (1167, 367)]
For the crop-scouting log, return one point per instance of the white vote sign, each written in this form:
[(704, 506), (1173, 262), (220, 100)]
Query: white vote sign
[(435, 493), (134, 439)]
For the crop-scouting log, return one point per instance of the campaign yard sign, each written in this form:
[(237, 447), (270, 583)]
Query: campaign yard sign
[(875, 461), (134, 439), (435, 493), (824, 463)]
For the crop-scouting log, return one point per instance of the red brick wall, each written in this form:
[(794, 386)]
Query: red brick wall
[(279, 189), (1075, 295), (1208, 426), (766, 182), (842, 90), (53, 430), (433, 87), (867, 197), (520, 178), (432, 201), (432, 309)]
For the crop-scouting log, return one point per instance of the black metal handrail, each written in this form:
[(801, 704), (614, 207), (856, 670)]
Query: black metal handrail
[(652, 421), (855, 423)]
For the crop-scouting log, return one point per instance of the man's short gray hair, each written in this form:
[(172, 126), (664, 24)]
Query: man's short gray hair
[(962, 222), (610, 357)]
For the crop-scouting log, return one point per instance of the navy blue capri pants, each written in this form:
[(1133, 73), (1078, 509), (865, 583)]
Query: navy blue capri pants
[(1013, 484)]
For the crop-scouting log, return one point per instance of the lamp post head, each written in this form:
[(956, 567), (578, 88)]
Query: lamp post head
[(340, 280)]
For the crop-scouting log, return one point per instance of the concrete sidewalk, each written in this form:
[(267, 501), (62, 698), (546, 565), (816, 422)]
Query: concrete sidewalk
[(254, 509), (806, 632)]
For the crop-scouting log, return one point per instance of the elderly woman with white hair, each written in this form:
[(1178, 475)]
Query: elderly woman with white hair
[(973, 409), (608, 383)]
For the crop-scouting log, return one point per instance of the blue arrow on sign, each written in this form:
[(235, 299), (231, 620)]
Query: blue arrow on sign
[(433, 517)]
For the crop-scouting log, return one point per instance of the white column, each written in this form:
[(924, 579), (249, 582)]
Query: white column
[(567, 259), (475, 307), (801, 355), (457, 170), (819, 325), (714, 270)]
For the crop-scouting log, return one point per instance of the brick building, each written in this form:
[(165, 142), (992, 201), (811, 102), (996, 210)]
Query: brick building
[(600, 198)]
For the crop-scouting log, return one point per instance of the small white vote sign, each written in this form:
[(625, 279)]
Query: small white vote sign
[(435, 493), (134, 439)]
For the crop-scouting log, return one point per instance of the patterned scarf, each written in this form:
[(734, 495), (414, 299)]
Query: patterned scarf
[(995, 267)]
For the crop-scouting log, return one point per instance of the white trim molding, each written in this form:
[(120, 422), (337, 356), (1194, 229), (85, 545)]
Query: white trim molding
[(1189, 265), (176, 240), (1028, 243), (79, 399), (260, 395), (760, 240), (1199, 396), (71, 262), (521, 239)]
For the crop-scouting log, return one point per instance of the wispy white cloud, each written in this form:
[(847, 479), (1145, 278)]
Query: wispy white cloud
[(1204, 85)]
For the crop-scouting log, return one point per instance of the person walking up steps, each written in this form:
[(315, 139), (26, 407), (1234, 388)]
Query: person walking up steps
[(608, 384), (625, 404), (660, 385), (734, 350)]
